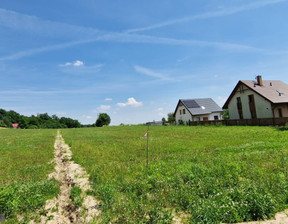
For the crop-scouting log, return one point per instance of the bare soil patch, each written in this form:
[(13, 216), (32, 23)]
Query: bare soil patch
[(280, 218), (69, 174)]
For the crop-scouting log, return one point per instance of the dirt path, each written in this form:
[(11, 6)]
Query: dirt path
[(280, 218), (69, 174)]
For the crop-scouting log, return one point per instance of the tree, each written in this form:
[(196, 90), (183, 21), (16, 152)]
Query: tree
[(103, 119), (2, 124), (69, 123), (225, 114), (171, 118)]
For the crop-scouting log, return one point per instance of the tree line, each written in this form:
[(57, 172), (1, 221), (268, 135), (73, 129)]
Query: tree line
[(7, 118)]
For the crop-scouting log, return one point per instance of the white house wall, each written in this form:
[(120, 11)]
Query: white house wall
[(184, 117), (211, 116), (263, 106)]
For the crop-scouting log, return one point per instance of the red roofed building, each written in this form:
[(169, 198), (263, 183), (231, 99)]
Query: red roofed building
[(16, 125)]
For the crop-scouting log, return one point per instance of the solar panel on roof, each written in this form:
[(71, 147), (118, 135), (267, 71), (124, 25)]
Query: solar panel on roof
[(191, 103)]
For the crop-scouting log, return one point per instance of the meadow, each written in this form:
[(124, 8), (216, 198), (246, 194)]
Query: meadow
[(196, 174), (25, 157), (204, 174)]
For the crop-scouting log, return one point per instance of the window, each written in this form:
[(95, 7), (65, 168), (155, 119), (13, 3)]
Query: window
[(184, 111), (252, 106), (216, 117), (239, 104), (251, 98), (239, 107), (180, 112), (280, 112)]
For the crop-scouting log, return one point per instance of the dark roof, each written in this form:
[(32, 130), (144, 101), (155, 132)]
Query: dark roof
[(274, 91), (199, 106)]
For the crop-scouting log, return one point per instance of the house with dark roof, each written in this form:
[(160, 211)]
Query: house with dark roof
[(258, 99), (203, 109)]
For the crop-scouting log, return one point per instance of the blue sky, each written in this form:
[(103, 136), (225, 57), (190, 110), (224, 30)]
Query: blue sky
[(134, 59)]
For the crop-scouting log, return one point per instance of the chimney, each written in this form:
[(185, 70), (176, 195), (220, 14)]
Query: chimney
[(259, 80)]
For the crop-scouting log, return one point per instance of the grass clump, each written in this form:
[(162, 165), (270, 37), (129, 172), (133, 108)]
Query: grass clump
[(75, 196)]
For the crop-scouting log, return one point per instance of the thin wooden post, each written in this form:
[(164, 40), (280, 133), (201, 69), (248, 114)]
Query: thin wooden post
[(147, 148)]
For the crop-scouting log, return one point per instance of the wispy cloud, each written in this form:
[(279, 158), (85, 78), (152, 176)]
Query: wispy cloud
[(126, 38), (219, 13), (36, 25), (104, 107), (151, 73), (83, 35), (108, 99), (61, 113), (183, 59), (130, 103), (35, 51), (160, 111)]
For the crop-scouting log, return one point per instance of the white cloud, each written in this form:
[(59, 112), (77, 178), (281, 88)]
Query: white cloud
[(76, 63), (108, 99), (79, 68), (131, 102)]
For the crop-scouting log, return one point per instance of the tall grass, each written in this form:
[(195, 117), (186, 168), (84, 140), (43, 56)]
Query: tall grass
[(24, 166), (210, 174)]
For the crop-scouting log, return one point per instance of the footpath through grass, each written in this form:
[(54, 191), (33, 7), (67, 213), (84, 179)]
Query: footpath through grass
[(202, 174), (24, 166)]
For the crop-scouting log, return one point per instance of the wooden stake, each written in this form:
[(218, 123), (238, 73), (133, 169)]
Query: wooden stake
[(147, 149)]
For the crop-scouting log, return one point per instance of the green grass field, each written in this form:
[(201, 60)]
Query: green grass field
[(24, 167), (202, 174)]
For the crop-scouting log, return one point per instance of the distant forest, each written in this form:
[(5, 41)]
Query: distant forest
[(7, 118)]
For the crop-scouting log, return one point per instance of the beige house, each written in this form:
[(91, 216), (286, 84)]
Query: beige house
[(203, 109), (258, 99)]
